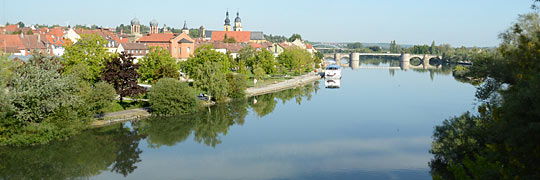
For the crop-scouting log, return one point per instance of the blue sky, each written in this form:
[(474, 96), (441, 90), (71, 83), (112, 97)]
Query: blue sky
[(456, 22)]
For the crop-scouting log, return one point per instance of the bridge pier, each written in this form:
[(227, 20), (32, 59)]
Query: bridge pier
[(405, 57)]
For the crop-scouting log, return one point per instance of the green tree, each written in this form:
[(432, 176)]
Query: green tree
[(356, 45), (237, 85), (172, 97), (502, 140), (157, 64), (20, 24), (259, 73), (210, 79), (226, 39), (122, 73), (266, 61), (88, 51), (37, 117), (99, 97), (296, 59), (294, 37), (246, 56), (203, 54)]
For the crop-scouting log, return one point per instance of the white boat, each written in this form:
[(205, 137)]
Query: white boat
[(332, 83), (332, 71)]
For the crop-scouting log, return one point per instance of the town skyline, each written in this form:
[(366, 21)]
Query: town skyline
[(465, 24)]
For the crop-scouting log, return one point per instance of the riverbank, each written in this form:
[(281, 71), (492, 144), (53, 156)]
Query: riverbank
[(138, 113)]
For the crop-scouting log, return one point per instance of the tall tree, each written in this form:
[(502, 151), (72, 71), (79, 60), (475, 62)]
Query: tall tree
[(266, 61), (157, 64), (89, 52), (294, 37), (208, 77), (206, 53), (121, 72)]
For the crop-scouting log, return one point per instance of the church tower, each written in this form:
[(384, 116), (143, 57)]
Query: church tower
[(227, 26), (154, 27), (135, 26), (185, 29), (237, 22)]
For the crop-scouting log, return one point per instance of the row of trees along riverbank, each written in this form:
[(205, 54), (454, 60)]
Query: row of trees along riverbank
[(501, 140), (53, 98)]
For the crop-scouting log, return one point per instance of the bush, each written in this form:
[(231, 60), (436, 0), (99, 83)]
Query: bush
[(237, 85), (100, 97), (172, 97), (46, 105)]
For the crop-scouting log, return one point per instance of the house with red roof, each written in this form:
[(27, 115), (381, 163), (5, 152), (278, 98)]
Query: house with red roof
[(23, 44), (180, 46)]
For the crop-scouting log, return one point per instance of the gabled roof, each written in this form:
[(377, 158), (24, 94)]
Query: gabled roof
[(162, 37), (184, 40), (239, 36), (133, 46), (12, 28), (11, 41), (33, 42), (230, 47), (257, 35)]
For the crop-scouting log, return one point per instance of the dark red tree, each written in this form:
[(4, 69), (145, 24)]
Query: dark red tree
[(122, 73)]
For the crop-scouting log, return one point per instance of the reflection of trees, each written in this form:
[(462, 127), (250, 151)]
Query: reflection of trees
[(85, 155), (207, 125), (267, 103)]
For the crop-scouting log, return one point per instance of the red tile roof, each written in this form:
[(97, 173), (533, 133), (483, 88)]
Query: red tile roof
[(10, 41), (12, 28), (309, 46), (162, 37), (230, 47), (255, 45), (239, 36)]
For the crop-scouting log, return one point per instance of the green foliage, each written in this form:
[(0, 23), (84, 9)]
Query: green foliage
[(157, 64), (266, 60), (394, 48), (417, 49), (100, 97), (203, 54), (246, 56), (502, 140), (275, 38), (356, 45), (296, 59), (113, 148), (294, 37), (210, 79), (258, 73), (89, 51), (237, 86), (6, 69), (229, 40), (122, 73), (46, 105), (172, 97)]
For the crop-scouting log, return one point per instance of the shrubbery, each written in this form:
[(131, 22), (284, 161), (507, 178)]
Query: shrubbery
[(45, 104), (237, 85), (172, 97)]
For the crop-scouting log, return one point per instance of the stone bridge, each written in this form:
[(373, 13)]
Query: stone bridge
[(404, 59)]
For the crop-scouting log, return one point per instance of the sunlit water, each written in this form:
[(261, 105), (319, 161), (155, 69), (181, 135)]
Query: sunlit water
[(377, 125)]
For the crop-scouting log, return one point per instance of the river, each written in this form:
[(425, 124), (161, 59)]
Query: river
[(377, 125)]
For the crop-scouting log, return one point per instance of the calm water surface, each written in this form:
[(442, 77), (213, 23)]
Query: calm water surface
[(377, 125)]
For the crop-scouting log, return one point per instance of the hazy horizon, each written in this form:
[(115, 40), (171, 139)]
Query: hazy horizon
[(458, 23)]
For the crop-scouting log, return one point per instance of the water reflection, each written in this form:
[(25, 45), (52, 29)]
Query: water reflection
[(332, 83), (114, 148)]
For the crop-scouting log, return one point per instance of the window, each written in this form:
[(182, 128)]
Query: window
[(188, 50)]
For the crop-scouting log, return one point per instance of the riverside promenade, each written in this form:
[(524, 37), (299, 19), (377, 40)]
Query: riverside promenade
[(133, 114)]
